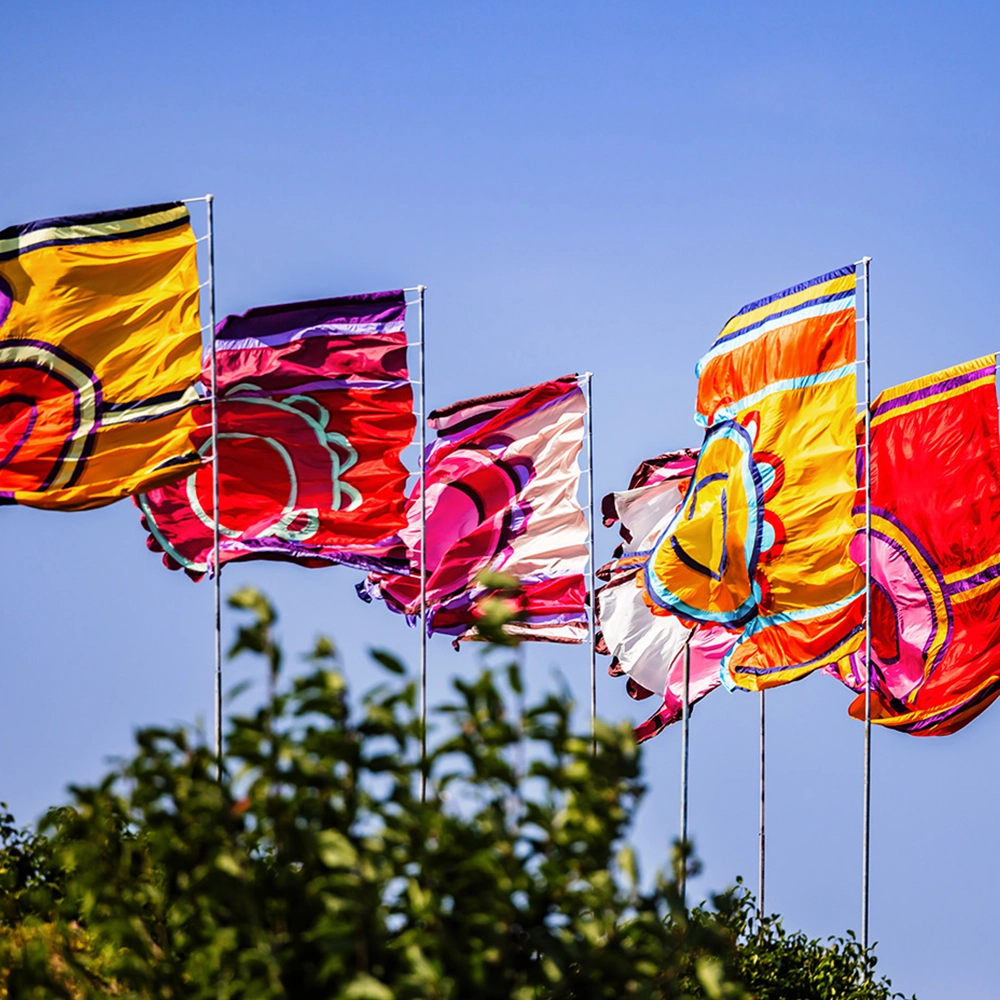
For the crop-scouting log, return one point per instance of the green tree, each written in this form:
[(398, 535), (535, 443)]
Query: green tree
[(311, 868)]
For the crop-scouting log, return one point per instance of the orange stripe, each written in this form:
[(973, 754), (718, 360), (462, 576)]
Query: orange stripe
[(808, 347), (810, 644), (883, 715)]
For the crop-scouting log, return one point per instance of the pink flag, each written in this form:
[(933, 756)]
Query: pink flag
[(649, 647), (502, 482)]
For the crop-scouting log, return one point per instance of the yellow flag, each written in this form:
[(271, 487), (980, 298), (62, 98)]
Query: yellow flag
[(100, 347), (761, 541)]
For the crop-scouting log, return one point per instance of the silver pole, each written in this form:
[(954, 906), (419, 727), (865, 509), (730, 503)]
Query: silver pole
[(866, 834), (217, 569), (423, 553), (761, 845), (685, 716), (589, 376)]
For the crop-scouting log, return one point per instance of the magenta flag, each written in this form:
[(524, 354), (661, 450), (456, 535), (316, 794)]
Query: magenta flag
[(315, 408), (502, 483)]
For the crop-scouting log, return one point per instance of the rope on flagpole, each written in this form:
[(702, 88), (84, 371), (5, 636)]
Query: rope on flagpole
[(217, 569), (866, 830), (420, 289), (589, 376)]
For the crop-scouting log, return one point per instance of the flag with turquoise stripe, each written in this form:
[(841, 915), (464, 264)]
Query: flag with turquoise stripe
[(761, 542)]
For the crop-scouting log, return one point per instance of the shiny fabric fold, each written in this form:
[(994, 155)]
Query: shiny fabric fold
[(935, 489), (761, 541), (315, 408), (502, 482), (648, 648)]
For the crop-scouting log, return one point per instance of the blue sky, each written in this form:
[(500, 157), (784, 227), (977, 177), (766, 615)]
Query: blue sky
[(582, 187)]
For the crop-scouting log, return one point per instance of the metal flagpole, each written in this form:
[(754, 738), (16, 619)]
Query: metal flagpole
[(866, 834), (217, 569), (761, 845), (423, 552), (685, 716), (589, 376)]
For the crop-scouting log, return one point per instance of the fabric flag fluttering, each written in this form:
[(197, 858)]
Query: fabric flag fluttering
[(100, 347), (762, 539), (502, 482), (935, 494), (649, 648), (315, 407)]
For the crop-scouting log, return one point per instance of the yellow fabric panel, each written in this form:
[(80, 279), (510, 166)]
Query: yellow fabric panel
[(937, 381), (711, 530), (742, 320), (127, 459), (809, 582), (812, 431), (781, 473), (761, 542), (99, 353)]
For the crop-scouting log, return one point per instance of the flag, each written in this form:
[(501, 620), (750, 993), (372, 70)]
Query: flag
[(100, 347), (315, 407), (649, 648), (502, 482), (762, 539), (935, 539)]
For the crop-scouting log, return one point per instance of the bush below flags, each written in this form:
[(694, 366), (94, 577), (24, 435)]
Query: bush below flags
[(311, 869)]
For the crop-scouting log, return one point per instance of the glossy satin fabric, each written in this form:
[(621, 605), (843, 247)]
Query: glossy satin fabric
[(502, 483), (935, 553), (100, 347), (761, 541), (649, 648), (315, 409)]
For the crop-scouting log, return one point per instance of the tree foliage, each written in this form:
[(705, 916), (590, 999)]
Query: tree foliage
[(311, 868)]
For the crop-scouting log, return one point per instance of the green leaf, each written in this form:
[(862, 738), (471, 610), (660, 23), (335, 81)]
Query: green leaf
[(251, 599), (335, 850), (323, 649), (387, 660), (365, 987), (514, 678)]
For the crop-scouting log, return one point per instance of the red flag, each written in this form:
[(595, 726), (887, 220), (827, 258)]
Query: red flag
[(935, 553), (315, 407)]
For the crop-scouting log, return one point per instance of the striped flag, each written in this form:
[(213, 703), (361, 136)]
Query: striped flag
[(761, 541)]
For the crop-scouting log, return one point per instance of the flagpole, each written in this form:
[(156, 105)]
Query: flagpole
[(423, 552), (216, 568), (589, 376), (761, 839), (866, 833), (685, 716)]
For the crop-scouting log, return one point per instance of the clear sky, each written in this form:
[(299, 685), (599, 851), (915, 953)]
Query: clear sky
[(581, 186)]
